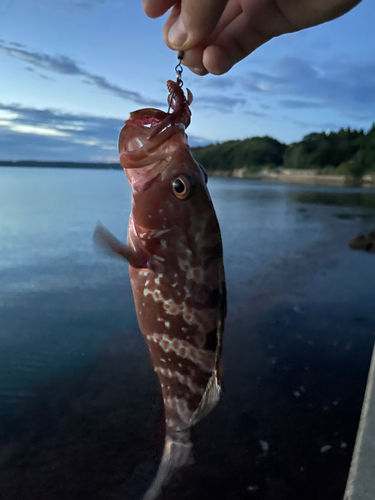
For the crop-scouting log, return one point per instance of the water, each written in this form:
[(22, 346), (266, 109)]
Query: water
[(80, 412)]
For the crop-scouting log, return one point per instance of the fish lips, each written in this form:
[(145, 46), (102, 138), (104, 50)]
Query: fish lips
[(143, 157)]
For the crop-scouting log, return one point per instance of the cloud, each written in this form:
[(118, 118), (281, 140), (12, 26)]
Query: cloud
[(257, 114), (49, 134), (295, 104), (89, 4), (221, 103), (346, 86), (15, 44), (218, 82), (66, 66)]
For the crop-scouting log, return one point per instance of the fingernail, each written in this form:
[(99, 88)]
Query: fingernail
[(177, 34)]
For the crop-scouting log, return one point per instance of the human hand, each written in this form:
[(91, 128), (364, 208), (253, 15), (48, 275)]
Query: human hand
[(217, 34)]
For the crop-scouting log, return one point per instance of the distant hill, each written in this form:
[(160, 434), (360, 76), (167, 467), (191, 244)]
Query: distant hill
[(252, 154), (346, 152)]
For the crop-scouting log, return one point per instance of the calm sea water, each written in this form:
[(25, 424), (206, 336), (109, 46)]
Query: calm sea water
[(80, 414)]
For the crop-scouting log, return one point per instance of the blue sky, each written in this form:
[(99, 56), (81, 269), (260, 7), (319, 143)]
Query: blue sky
[(72, 71)]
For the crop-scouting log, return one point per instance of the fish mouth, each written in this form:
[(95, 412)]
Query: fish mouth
[(144, 155)]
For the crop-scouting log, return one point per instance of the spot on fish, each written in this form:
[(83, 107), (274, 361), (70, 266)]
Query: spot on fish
[(197, 273), (193, 354)]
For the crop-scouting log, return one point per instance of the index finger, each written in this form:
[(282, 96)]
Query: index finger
[(192, 22), (156, 8)]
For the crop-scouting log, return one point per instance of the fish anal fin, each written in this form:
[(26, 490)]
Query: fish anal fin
[(105, 241), (209, 400)]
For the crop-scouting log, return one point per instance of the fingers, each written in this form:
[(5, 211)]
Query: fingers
[(193, 60), (238, 38), (237, 41), (156, 8), (232, 45), (217, 34), (191, 22)]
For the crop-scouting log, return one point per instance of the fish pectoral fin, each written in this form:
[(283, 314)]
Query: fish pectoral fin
[(109, 244)]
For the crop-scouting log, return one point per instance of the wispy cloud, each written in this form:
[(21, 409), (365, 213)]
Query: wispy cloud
[(89, 4), (220, 103), (221, 82), (298, 104), (346, 86), (67, 66), (50, 134)]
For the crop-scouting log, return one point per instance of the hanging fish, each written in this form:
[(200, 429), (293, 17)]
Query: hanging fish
[(176, 269)]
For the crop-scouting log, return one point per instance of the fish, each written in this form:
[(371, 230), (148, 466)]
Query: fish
[(175, 257), (362, 242)]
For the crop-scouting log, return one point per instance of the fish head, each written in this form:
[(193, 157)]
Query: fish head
[(168, 186)]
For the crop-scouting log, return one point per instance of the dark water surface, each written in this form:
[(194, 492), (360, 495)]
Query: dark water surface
[(80, 411)]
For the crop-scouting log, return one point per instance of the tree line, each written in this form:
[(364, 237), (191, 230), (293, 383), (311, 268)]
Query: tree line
[(346, 152)]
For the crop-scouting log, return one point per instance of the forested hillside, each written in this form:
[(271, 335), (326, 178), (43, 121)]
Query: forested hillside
[(252, 154), (346, 152)]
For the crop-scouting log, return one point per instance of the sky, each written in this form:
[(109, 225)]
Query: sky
[(71, 71)]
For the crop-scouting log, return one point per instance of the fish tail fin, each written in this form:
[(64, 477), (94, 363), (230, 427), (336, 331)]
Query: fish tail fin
[(177, 453)]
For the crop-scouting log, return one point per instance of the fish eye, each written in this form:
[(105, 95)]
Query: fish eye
[(181, 187)]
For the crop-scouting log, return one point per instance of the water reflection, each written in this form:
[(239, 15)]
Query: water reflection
[(81, 416), (363, 199)]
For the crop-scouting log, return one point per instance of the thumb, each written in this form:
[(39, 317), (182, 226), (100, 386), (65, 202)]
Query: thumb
[(192, 22)]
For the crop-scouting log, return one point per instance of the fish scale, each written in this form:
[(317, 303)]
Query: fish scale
[(176, 270)]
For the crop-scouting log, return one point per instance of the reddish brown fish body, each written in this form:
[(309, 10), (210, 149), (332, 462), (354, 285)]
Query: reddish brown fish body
[(179, 299), (176, 270)]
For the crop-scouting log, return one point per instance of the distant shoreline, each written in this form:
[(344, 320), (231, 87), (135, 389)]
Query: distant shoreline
[(60, 164), (290, 176), (299, 176)]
